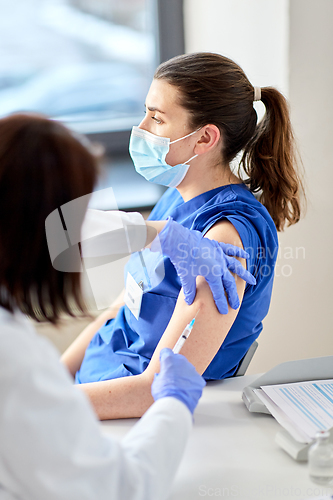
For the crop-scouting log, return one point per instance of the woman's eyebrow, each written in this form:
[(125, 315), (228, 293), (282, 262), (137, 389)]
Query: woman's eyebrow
[(153, 108)]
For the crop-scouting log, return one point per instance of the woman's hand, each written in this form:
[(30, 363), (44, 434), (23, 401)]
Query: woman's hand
[(193, 255), (177, 378)]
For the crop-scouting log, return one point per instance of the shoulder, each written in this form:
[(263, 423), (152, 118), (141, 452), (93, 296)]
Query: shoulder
[(244, 222), (250, 208), (225, 232), (31, 372), (15, 336), (22, 350), (234, 200), (250, 218)]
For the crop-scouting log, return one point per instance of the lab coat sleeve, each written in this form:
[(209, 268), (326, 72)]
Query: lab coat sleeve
[(112, 234), (169, 423), (51, 444)]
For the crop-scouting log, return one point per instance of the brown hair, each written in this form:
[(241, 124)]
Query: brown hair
[(215, 90), (42, 166)]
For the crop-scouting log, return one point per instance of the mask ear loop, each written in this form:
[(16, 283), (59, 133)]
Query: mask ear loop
[(181, 138), (185, 136), (185, 162)]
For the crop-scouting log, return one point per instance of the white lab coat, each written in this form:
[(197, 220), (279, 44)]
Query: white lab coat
[(105, 236), (112, 232), (51, 444)]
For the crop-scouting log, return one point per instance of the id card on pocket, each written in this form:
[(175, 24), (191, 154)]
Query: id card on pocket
[(133, 296)]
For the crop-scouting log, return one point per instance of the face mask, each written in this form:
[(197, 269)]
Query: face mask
[(148, 152)]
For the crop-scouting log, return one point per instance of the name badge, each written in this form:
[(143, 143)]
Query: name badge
[(133, 296)]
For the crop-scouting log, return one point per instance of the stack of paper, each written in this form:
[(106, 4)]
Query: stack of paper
[(301, 408)]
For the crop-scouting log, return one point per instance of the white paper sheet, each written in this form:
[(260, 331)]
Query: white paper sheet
[(301, 408), (281, 417)]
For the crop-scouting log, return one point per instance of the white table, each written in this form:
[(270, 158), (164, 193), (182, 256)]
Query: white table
[(232, 453)]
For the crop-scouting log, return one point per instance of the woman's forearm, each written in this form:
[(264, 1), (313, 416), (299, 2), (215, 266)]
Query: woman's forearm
[(74, 354), (126, 397)]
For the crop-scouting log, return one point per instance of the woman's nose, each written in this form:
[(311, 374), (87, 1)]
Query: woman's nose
[(144, 123)]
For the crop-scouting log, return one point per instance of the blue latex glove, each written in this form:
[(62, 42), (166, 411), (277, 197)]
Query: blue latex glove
[(177, 378), (193, 255)]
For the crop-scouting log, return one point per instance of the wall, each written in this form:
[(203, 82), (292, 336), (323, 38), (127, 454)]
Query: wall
[(288, 44), (252, 33)]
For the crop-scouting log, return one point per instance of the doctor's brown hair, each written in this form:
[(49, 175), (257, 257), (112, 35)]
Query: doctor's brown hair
[(216, 91), (42, 166)]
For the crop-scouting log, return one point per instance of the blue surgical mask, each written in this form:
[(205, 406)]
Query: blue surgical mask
[(148, 152)]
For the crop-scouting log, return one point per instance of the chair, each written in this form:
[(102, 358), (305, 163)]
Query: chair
[(243, 365)]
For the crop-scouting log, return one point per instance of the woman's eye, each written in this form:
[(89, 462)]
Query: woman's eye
[(157, 120)]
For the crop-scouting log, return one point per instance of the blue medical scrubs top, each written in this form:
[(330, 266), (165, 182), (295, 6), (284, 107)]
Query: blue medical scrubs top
[(125, 345)]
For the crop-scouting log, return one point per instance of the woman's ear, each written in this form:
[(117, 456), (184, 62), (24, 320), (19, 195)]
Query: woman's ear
[(209, 138)]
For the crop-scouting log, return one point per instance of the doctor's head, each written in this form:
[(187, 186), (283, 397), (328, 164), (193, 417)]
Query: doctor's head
[(42, 166)]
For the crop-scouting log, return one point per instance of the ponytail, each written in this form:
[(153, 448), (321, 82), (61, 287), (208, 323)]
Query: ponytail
[(270, 161)]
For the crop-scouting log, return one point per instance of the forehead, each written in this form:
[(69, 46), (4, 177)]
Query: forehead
[(166, 98)]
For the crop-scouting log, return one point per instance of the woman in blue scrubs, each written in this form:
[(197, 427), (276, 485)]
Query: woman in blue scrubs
[(199, 117)]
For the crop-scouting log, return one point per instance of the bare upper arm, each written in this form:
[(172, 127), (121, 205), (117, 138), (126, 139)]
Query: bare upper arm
[(211, 327)]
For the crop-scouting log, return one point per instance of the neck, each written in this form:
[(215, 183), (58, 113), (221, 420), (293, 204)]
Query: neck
[(195, 183)]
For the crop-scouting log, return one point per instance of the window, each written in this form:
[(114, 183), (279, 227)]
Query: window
[(89, 63)]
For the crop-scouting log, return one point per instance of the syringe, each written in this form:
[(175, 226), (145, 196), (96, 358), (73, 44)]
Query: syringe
[(184, 336)]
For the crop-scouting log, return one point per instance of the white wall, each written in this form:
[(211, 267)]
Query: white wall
[(302, 306), (239, 29), (288, 44)]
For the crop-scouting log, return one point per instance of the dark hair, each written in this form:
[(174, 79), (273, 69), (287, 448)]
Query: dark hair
[(215, 90), (42, 166)]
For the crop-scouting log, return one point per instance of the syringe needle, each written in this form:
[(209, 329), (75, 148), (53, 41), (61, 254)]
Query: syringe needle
[(184, 336), (196, 314)]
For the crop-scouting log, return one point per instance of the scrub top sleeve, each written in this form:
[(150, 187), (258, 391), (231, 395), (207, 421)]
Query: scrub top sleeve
[(248, 235)]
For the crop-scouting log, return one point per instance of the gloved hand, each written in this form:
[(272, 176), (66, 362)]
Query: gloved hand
[(177, 378), (193, 255)]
